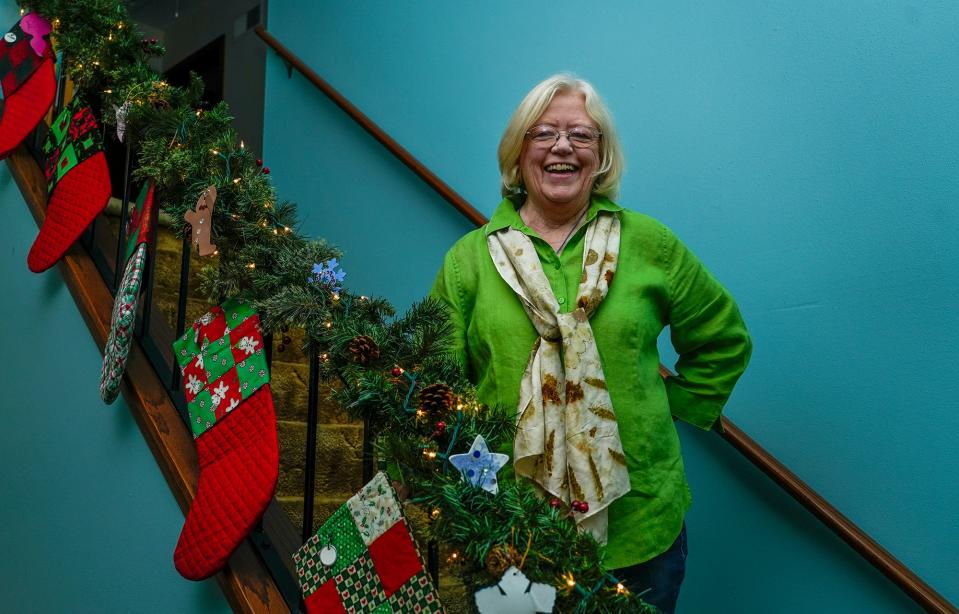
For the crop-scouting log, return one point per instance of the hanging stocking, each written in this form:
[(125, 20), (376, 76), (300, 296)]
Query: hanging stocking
[(364, 559), (77, 180), (117, 349), (226, 384), (27, 77)]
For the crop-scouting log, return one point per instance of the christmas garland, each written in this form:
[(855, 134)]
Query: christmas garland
[(398, 374)]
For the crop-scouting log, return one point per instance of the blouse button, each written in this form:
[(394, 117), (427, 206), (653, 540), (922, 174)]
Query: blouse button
[(561, 300)]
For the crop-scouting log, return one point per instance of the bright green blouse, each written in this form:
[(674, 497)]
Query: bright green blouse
[(658, 282)]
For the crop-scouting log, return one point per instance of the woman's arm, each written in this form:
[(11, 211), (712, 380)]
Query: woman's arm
[(708, 333), (448, 289)]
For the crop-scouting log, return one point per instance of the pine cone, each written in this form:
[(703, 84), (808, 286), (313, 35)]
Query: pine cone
[(501, 558), (436, 400), (363, 350)]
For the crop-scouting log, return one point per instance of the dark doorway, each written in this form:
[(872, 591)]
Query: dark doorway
[(207, 62)]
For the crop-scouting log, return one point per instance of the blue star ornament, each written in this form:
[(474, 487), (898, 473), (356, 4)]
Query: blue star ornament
[(479, 465)]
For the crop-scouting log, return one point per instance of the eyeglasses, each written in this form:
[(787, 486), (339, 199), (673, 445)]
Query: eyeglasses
[(578, 136)]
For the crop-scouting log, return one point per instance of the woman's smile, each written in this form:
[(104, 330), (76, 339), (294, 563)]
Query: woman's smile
[(558, 175)]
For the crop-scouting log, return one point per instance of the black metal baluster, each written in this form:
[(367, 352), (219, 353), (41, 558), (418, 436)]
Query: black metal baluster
[(367, 452), (259, 535), (433, 561), (185, 252), (268, 348), (86, 239), (36, 140), (312, 419), (61, 87), (150, 279), (121, 233), (36, 146)]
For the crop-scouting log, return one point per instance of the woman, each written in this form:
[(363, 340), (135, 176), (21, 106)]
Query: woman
[(562, 270)]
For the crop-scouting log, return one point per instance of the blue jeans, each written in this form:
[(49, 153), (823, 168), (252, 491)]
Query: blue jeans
[(662, 575)]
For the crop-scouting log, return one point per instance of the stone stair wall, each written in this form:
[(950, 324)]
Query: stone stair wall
[(339, 440)]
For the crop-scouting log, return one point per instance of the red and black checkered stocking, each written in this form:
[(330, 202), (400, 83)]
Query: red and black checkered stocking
[(27, 77), (78, 182)]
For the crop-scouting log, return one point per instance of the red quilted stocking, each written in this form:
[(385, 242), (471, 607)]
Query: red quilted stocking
[(226, 383), (27, 76), (78, 182)]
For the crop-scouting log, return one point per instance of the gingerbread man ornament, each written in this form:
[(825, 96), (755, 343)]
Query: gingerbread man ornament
[(201, 220)]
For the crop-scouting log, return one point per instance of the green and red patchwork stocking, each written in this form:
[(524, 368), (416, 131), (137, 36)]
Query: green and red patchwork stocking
[(117, 349), (27, 78), (364, 559), (226, 383), (78, 183)]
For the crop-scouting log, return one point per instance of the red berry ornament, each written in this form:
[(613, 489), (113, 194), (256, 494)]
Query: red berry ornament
[(580, 506), (441, 426), (555, 503), (266, 170), (396, 372), (259, 162)]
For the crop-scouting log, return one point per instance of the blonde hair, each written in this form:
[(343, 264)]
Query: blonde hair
[(611, 161)]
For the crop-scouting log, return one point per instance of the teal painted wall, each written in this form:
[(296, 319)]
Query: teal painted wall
[(807, 152)]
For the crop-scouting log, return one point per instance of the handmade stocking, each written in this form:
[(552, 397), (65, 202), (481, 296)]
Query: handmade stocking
[(27, 77), (117, 349), (364, 559), (77, 180), (226, 384)]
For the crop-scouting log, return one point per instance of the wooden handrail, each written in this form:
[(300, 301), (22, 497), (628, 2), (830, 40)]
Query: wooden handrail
[(245, 582), (847, 530), (868, 548), (404, 156)]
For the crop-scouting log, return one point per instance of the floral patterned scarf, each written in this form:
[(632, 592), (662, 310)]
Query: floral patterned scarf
[(567, 438)]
